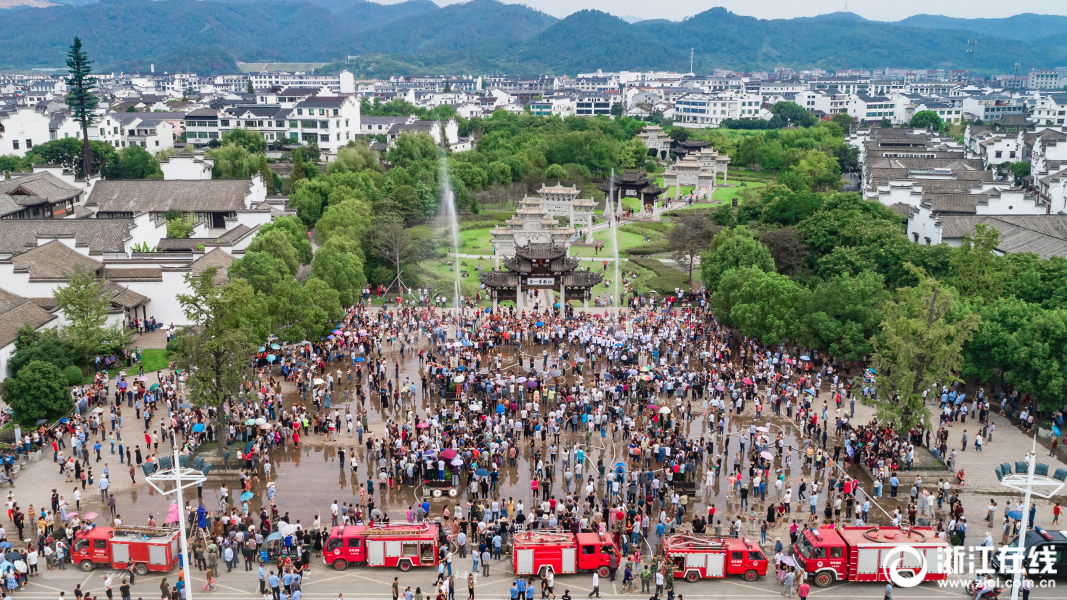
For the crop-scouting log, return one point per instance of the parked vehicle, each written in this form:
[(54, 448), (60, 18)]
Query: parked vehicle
[(402, 546), (697, 557), (860, 553), (541, 552), (149, 549)]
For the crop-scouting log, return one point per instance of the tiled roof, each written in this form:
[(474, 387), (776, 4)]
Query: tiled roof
[(1044, 235), (134, 273), (138, 196), (29, 190), (215, 258), (21, 314), (100, 235), (54, 260)]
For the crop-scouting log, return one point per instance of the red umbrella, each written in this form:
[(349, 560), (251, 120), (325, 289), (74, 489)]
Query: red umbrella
[(746, 381)]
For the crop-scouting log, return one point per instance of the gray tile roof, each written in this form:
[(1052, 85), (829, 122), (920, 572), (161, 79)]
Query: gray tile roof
[(99, 235), (19, 315), (1044, 235), (30, 190), (53, 261), (211, 195), (215, 258)]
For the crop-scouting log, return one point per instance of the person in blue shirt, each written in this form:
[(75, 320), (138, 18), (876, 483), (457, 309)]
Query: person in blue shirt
[(893, 483), (520, 586), (529, 590), (262, 580), (514, 591), (496, 546), (287, 581), (659, 529), (273, 582)]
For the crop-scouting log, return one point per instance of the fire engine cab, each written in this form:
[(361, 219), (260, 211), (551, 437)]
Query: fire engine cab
[(147, 548), (541, 552), (402, 546), (861, 553), (696, 557)]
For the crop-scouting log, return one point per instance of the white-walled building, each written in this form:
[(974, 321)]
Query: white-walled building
[(21, 129), (329, 121)]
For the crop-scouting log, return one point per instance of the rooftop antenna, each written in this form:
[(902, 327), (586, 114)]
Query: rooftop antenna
[(972, 47)]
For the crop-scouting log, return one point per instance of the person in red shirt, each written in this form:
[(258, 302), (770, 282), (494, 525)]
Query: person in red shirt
[(803, 591)]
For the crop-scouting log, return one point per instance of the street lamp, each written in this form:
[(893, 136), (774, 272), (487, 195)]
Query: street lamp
[(182, 477), (1027, 483)]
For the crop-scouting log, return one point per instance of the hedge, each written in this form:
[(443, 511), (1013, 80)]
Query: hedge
[(667, 278)]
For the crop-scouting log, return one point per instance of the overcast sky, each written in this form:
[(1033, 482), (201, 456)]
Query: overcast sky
[(778, 9)]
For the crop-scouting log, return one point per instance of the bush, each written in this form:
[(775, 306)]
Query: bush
[(660, 246), (172, 346), (72, 375), (38, 392), (666, 279)]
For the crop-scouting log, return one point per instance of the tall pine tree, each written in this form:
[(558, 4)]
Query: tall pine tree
[(81, 98)]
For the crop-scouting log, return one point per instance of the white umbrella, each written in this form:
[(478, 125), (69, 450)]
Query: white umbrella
[(664, 410), (457, 461), (317, 381), (458, 379), (21, 566), (261, 421), (266, 425)]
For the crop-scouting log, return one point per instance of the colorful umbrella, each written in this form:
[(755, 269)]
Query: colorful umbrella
[(92, 515), (275, 347), (198, 427), (271, 358), (247, 496), (448, 454)]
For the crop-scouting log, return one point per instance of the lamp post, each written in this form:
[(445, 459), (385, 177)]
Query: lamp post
[(182, 477), (1026, 483)]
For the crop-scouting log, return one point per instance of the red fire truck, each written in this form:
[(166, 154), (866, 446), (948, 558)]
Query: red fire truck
[(147, 548), (402, 546), (863, 553), (695, 557), (539, 552)]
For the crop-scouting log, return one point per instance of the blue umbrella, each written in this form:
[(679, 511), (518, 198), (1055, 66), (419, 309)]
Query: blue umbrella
[(271, 358), (330, 337), (487, 310), (539, 323), (5, 544), (557, 305), (360, 359), (274, 536), (275, 347), (64, 420), (198, 427), (261, 349), (461, 368), (247, 496), (248, 446), (500, 409), (467, 343), (1018, 516), (481, 472)]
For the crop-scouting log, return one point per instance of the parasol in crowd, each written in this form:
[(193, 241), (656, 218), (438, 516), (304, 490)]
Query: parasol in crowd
[(448, 454), (246, 496), (198, 427), (664, 410)]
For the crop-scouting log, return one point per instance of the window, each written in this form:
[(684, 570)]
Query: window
[(157, 143), (735, 555), (322, 112), (336, 113), (837, 552), (99, 544), (998, 153), (14, 144), (355, 542), (226, 123), (324, 137), (299, 111)]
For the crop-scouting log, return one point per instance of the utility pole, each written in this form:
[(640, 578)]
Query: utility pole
[(972, 47)]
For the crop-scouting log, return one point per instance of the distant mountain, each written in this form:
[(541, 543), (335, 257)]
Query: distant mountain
[(479, 26), (631, 19), (485, 36), (588, 40), (264, 31), (365, 15), (834, 16), (1026, 26)]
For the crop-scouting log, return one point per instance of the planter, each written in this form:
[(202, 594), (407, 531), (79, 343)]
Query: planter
[(35, 455), (1044, 433)]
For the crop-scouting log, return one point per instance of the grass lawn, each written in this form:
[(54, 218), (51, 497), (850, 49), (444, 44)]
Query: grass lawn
[(153, 360), (626, 241), (475, 241), (670, 193)]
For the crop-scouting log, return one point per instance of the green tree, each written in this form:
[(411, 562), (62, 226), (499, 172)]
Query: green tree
[(791, 114), (263, 168), (133, 162), (81, 96), (302, 312), (844, 121), (233, 161), (261, 270), (37, 392), (844, 314), (768, 307), (556, 173), (349, 218), (977, 271), (926, 119), (84, 302), (48, 345), (295, 232), (921, 341), (246, 138), (299, 171), (69, 153), (276, 244), (730, 249), (343, 271), (226, 323), (178, 227), (251, 88)]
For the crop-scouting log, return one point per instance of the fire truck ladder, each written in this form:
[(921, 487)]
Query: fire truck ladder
[(399, 529), (685, 541), (144, 531), (544, 537)]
